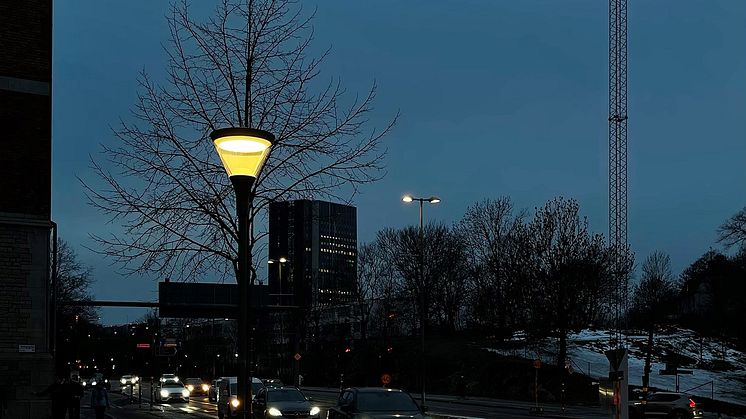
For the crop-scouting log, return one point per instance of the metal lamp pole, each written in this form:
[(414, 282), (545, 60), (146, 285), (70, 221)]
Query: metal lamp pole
[(243, 152), (423, 309)]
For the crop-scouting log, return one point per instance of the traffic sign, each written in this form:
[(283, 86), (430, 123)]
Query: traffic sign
[(297, 357), (143, 346), (386, 379), (537, 363)]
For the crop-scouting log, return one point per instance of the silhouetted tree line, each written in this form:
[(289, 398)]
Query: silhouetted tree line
[(495, 271)]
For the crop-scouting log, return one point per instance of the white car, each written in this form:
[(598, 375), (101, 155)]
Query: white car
[(169, 378), (172, 391)]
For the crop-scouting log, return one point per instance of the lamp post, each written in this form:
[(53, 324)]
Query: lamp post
[(281, 261), (243, 152), (423, 315)]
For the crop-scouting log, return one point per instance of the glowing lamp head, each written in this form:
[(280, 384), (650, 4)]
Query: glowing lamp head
[(283, 260), (242, 150), (407, 198), (433, 199)]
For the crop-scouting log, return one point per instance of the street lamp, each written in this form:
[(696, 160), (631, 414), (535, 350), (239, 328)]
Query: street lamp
[(243, 152), (281, 261), (423, 315)]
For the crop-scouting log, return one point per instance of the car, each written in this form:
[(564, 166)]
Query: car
[(272, 382), (168, 378), (227, 402), (196, 386), (667, 405), (283, 402), (171, 391), (129, 382), (360, 402)]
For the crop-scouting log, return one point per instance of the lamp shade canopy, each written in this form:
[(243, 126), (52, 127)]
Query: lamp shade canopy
[(242, 150)]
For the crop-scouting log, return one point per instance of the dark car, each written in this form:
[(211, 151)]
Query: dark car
[(283, 402), (375, 402), (272, 382), (667, 405), (197, 386)]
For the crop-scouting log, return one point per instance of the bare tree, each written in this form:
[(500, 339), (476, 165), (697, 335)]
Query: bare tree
[(732, 233), (571, 263), (74, 280), (248, 65), (651, 298), (486, 229)]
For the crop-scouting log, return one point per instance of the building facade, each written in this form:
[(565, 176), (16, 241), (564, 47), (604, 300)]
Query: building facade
[(26, 353), (318, 241)]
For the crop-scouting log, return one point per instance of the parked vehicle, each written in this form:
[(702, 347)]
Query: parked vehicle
[(171, 391), (283, 402), (666, 405), (227, 403), (197, 386), (375, 402)]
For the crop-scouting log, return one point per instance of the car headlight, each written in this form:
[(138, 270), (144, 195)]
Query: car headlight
[(134, 380), (93, 383), (235, 402), (163, 380), (274, 412), (176, 379), (185, 393), (205, 387), (123, 381), (315, 411), (164, 394), (84, 383), (190, 387)]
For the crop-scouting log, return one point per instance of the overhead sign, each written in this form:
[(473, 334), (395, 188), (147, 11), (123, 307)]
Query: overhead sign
[(27, 348), (297, 357), (143, 345), (206, 300)]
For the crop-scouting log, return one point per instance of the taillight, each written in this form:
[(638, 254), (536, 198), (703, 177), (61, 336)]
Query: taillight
[(692, 404)]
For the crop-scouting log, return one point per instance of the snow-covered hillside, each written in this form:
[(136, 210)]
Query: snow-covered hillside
[(709, 359)]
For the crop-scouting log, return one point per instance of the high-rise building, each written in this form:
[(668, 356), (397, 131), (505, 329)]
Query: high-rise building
[(318, 241)]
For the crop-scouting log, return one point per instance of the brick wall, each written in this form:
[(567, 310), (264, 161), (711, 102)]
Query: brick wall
[(25, 204)]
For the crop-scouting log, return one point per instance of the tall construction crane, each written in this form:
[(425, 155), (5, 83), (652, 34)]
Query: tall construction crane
[(618, 363)]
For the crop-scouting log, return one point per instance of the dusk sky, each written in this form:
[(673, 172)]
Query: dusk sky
[(496, 97)]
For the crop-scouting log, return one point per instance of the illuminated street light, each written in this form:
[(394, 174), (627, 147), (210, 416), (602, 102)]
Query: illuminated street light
[(432, 200), (243, 152)]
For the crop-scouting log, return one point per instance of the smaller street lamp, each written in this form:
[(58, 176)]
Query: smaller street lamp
[(281, 261), (432, 200)]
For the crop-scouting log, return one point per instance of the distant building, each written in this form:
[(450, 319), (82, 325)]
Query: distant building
[(26, 352), (319, 241)]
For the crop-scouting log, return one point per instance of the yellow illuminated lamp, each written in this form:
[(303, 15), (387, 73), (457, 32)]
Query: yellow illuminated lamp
[(407, 198), (242, 150)]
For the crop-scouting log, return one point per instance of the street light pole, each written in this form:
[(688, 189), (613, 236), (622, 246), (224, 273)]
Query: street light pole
[(243, 152), (423, 308)]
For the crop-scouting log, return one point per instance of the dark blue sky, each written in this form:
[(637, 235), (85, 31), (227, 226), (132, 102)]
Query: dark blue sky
[(497, 97)]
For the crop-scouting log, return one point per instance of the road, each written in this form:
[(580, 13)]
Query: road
[(439, 407)]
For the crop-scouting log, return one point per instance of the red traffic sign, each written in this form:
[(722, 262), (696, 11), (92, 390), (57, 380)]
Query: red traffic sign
[(143, 345), (386, 379), (297, 357), (537, 363)]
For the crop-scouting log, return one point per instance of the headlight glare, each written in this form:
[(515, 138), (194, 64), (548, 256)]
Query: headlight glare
[(315, 411), (205, 387), (185, 393), (235, 402), (123, 381), (274, 412), (164, 394), (190, 387), (176, 379)]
